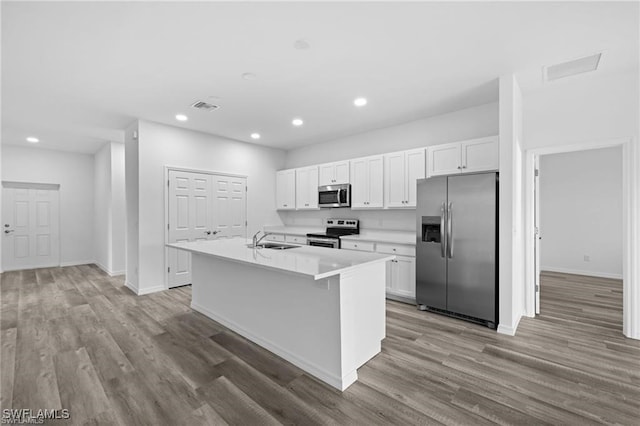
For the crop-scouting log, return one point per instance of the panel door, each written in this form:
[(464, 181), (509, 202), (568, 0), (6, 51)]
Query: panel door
[(443, 159), (471, 266), (395, 179), (229, 215), (480, 155), (415, 165), (359, 184), (286, 190), (375, 166), (30, 236), (190, 210), (341, 172)]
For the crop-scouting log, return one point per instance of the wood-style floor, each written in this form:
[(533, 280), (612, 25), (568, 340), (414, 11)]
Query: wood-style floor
[(74, 338)]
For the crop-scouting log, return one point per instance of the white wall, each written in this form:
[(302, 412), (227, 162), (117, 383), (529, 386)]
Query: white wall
[(456, 126), (102, 207), (118, 209), (161, 145), (132, 222), (109, 202), (74, 173), (581, 212), (511, 242), (460, 125)]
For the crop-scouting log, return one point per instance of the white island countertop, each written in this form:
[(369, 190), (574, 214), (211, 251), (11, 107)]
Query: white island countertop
[(315, 262)]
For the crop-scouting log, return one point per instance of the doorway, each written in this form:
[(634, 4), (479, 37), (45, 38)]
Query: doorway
[(630, 284), (201, 206), (31, 225)]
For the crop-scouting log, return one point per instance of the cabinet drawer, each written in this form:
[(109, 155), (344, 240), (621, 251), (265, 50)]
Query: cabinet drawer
[(398, 249), (295, 239), (275, 237), (357, 245)]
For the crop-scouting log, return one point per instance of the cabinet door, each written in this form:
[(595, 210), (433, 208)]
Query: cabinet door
[(394, 178), (443, 159), (415, 170), (405, 276), (326, 174), (341, 172), (307, 188), (376, 182), (480, 155), (286, 190), (359, 184)]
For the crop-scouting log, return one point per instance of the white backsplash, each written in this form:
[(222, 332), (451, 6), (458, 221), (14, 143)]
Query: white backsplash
[(396, 220)]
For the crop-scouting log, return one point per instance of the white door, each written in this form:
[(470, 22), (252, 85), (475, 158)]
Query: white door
[(375, 166), (229, 218), (359, 184), (480, 155), (202, 207), (190, 208), (30, 237), (326, 174), (286, 190), (443, 159), (341, 172), (307, 188)]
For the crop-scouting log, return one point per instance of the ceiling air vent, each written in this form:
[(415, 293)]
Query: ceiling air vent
[(204, 106), (569, 68)]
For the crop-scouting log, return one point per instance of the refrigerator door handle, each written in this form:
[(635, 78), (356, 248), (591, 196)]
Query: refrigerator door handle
[(443, 238), (450, 229)]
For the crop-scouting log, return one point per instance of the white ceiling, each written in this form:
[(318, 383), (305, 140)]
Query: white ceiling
[(75, 74)]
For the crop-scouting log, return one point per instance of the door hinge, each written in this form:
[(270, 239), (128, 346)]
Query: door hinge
[(536, 173), (245, 223), (246, 188), (168, 227), (167, 182), (537, 288), (168, 269)]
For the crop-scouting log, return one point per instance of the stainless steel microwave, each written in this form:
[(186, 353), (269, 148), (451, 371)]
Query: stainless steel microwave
[(334, 195)]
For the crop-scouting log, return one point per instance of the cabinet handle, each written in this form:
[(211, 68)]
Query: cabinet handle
[(464, 167), (459, 167)]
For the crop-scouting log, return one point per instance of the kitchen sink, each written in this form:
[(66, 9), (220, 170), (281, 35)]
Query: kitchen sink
[(273, 246)]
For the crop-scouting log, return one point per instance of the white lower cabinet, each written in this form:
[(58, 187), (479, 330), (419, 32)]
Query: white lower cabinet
[(295, 239), (275, 237), (401, 277), (401, 272)]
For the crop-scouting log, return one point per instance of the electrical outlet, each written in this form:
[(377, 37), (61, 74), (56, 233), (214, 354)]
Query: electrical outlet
[(587, 258)]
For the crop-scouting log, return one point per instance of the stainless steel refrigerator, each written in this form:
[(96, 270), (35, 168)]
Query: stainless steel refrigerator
[(457, 246)]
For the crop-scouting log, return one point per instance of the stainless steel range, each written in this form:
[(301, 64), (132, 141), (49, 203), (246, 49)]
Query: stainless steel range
[(335, 229)]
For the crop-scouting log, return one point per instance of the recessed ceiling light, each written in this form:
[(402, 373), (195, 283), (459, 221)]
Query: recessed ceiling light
[(302, 44), (255, 135), (181, 117), (32, 139), (297, 122), (360, 102), (249, 76)]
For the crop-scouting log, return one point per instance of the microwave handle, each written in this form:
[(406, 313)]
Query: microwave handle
[(338, 194)]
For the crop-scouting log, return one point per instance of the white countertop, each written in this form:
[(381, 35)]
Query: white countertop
[(375, 235), (315, 262)]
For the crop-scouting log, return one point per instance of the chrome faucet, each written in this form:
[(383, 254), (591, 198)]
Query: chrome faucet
[(257, 240)]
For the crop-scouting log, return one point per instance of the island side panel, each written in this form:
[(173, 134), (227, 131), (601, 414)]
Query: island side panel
[(362, 314), (293, 316)]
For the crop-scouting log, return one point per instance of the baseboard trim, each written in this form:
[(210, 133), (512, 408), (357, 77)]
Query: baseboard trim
[(579, 272), (509, 330), (109, 272), (77, 263), (335, 381)]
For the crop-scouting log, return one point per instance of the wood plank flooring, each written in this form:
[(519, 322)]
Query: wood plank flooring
[(75, 338)]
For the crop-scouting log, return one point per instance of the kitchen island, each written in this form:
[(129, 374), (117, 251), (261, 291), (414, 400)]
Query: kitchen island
[(321, 309)]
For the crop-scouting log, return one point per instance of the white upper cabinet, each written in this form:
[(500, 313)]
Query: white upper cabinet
[(367, 183), (307, 188), (474, 155), (401, 170), (286, 189), (333, 173)]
